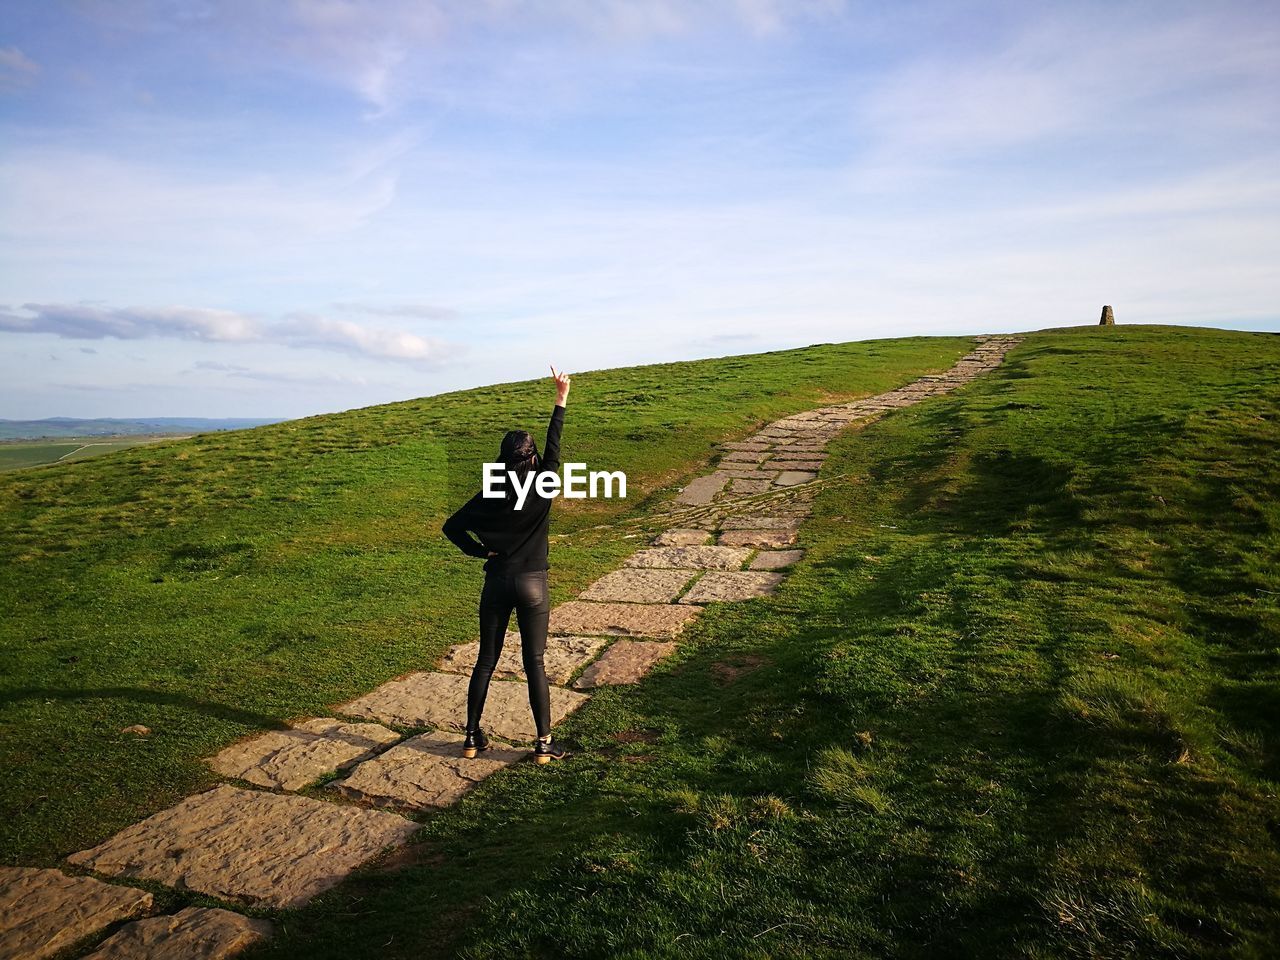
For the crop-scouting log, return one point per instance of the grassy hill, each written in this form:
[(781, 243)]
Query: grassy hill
[(213, 586), (1021, 698)]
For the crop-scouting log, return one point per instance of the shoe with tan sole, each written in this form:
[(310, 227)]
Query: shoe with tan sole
[(475, 742), (544, 751)]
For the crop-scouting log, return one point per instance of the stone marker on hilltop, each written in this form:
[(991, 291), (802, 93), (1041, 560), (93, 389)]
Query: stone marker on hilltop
[(1108, 318)]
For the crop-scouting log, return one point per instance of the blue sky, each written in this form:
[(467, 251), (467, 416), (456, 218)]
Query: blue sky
[(251, 208)]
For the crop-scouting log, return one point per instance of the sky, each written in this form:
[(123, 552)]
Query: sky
[(278, 209)]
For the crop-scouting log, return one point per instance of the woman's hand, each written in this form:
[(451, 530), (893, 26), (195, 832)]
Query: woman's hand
[(562, 386)]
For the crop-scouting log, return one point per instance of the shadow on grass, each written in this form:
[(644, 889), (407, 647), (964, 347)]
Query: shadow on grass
[(220, 711)]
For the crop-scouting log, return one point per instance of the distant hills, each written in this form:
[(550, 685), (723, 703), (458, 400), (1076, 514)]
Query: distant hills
[(113, 427)]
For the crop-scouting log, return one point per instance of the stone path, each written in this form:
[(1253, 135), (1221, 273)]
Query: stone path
[(732, 534)]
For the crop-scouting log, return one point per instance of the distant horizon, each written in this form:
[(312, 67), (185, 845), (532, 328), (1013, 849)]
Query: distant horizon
[(1271, 327)]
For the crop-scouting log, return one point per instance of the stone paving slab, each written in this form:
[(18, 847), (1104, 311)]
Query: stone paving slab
[(745, 456), (626, 661), (660, 620), (43, 912), (761, 523), (723, 586), (776, 559), (701, 490), (690, 558), (440, 700), (291, 759), (744, 471), (639, 585), (196, 933), (758, 538), (789, 478), (425, 771), (682, 537), (248, 846), (793, 465), (792, 455), (743, 485), (562, 657)]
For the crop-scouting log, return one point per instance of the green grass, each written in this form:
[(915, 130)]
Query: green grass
[(226, 583), (1020, 699)]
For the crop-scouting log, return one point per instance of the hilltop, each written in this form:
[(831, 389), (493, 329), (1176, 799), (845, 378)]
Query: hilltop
[(1022, 690)]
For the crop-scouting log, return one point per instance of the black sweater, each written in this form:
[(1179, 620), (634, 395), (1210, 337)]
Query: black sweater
[(519, 537)]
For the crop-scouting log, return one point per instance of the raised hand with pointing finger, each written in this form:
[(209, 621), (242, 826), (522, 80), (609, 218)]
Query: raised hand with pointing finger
[(563, 381)]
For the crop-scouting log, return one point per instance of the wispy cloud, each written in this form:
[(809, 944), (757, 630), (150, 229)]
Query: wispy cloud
[(90, 322), (72, 196), (1057, 78), (17, 70), (310, 330), (86, 322), (418, 311), (386, 51), (279, 376)]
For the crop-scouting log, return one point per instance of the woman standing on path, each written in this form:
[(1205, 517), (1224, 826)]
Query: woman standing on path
[(514, 542)]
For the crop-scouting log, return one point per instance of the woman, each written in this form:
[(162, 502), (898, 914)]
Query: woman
[(514, 541)]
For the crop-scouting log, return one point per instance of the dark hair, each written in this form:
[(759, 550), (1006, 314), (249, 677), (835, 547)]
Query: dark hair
[(518, 454)]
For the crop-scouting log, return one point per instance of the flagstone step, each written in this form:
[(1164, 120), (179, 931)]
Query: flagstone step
[(562, 658), (196, 933), (758, 538), (44, 912), (761, 522), (626, 661), (425, 771), (294, 758), (639, 585), (789, 478), (690, 558), (660, 620), (775, 559), (723, 585), (440, 700), (248, 846), (682, 537), (702, 489)]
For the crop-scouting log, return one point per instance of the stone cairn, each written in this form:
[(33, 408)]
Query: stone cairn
[(256, 843), (1108, 318)]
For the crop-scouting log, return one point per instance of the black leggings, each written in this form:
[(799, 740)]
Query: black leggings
[(526, 593)]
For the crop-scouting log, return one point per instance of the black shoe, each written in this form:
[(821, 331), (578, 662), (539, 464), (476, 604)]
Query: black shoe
[(544, 751), (474, 743)]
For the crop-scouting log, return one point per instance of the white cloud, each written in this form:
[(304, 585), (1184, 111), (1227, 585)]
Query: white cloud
[(89, 322), (311, 330), (86, 322)]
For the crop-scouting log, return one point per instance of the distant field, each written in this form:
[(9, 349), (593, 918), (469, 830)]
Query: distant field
[(16, 454)]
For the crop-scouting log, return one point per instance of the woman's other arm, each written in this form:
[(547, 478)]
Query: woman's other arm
[(455, 528)]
